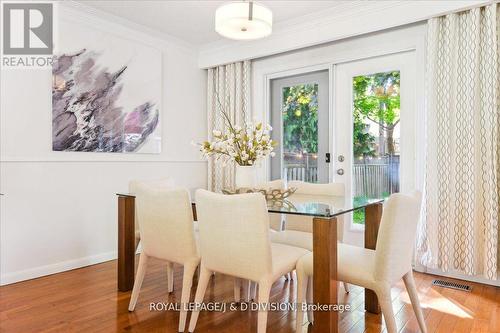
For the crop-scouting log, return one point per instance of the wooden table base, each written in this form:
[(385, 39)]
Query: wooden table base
[(325, 273), (126, 242)]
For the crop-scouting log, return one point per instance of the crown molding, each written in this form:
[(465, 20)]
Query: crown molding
[(339, 22), (71, 9)]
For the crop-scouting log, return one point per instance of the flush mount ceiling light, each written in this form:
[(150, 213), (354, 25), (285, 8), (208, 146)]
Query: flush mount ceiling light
[(243, 20)]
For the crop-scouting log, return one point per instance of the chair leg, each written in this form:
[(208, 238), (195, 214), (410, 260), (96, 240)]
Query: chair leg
[(197, 273), (187, 283), (384, 298), (141, 271), (310, 312), (287, 276), (170, 277), (205, 275), (302, 284), (264, 291), (346, 287), (248, 290), (412, 291), (237, 289)]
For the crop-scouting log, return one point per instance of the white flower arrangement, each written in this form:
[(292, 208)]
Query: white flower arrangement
[(243, 145)]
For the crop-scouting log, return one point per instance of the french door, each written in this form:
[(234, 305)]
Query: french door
[(374, 103), (300, 121), (372, 136)]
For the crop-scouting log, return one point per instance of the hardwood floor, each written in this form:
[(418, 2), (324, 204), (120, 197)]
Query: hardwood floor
[(87, 300)]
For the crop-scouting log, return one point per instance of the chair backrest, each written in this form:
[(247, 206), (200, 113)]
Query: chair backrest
[(166, 223), (163, 183), (275, 219), (234, 234), (301, 223), (396, 236)]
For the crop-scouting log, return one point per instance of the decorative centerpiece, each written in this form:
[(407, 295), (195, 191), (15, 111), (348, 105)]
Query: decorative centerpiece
[(243, 145), (270, 194)]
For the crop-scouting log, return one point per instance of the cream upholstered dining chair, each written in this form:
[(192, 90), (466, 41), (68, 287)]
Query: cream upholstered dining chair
[(167, 233), (377, 269), (162, 183), (275, 225), (133, 187), (234, 240), (298, 229)]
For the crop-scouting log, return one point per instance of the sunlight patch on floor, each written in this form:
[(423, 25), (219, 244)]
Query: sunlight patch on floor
[(438, 302)]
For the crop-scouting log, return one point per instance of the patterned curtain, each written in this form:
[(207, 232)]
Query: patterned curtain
[(228, 88), (460, 227)]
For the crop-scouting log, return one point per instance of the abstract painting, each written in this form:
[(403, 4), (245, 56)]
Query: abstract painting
[(106, 95)]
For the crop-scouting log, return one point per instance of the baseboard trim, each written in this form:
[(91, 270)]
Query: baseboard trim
[(59, 267), (459, 276)]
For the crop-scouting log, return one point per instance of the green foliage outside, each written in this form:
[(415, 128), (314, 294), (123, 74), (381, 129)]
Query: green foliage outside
[(376, 98), (300, 118), (358, 216), (363, 141)]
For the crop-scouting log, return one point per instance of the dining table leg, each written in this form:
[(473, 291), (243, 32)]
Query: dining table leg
[(126, 242), (325, 273), (373, 215)]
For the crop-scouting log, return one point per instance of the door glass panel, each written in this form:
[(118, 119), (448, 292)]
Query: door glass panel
[(300, 132), (376, 137), (300, 121)]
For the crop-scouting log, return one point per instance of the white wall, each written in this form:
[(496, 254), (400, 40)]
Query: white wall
[(59, 209)]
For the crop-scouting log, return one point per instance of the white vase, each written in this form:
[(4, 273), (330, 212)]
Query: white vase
[(246, 176)]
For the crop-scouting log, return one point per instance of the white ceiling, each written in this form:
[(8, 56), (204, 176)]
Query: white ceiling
[(193, 21)]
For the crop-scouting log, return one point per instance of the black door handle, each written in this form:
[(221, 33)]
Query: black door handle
[(327, 157)]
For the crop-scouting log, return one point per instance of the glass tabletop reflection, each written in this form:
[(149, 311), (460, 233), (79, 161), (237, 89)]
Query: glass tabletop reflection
[(319, 206), (310, 205)]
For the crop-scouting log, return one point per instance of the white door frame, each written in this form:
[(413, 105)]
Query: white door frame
[(404, 62), (266, 174), (325, 148)]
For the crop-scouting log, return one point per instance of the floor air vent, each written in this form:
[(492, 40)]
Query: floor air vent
[(452, 285)]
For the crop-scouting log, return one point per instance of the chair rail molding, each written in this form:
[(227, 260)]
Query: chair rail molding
[(346, 20)]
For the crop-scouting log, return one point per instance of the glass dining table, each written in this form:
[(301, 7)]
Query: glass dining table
[(324, 211)]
